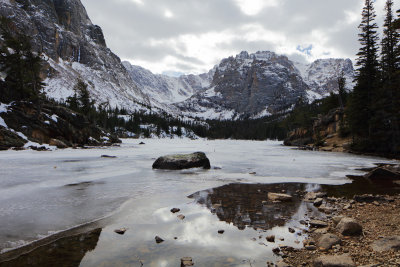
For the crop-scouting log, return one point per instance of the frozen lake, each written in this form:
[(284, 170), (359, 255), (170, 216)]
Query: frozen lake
[(45, 192)]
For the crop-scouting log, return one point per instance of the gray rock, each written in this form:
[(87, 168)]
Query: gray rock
[(120, 231), (318, 224), (326, 241), (337, 219), (279, 197), (334, 261), (349, 226), (318, 202), (387, 243), (383, 173), (182, 161)]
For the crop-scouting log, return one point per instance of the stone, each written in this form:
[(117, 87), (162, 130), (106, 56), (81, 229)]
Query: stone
[(181, 217), (57, 143), (383, 173), (158, 239), (318, 202), (187, 261), (221, 231), (281, 263), (291, 230), (279, 197), (310, 247), (276, 250), (343, 260), (348, 227), (318, 224), (182, 161), (108, 156), (175, 210), (120, 231), (326, 241), (141, 143), (10, 139), (386, 243), (270, 238)]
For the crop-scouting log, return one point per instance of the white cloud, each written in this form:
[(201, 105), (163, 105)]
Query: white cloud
[(191, 36), (253, 7)]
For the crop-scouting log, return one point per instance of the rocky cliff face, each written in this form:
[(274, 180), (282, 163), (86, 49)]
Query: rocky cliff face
[(166, 89), (321, 76), (73, 47), (263, 83)]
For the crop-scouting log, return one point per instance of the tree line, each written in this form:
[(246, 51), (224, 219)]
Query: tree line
[(373, 111)]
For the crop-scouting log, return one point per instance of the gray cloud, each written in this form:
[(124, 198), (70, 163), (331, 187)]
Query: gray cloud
[(193, 35)]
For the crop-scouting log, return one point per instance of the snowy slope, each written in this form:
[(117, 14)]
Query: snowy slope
[(321, 76), (166, 89)]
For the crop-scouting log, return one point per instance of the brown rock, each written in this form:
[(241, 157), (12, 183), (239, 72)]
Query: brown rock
[(326, 241), (57, 143), (279, 197), (387, 243), (187, 261), (349, 226), (334, 261)]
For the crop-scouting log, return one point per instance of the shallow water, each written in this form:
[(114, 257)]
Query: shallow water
[(45, 192)]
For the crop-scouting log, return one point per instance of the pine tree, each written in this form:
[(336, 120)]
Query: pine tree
[(387, 114), (20, 65), (360, 111)]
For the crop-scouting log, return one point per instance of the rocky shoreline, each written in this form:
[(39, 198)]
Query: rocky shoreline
[(359, 231)]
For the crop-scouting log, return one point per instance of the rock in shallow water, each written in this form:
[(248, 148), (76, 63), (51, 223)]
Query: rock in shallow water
[(182, 161)]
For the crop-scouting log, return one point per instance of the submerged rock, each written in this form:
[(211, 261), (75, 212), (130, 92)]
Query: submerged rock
[(182, 161)]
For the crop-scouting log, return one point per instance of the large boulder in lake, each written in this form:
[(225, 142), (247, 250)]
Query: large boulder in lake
[(182, 161)]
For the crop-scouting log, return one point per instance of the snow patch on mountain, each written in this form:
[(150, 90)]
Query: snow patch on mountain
[(166, 89)]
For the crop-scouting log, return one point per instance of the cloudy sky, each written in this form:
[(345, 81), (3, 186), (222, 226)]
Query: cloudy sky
[(191, 36)]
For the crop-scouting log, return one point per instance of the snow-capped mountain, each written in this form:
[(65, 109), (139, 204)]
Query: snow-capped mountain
[(263, 83), (74, 48), (166, 89), (321, 75), (251, 85)]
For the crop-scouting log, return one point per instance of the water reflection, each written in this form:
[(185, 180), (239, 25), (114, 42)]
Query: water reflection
[(65, 252), (246, 205)]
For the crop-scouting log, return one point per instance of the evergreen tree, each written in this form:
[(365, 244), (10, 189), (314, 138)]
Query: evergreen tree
[(341, 80), (20, 66), (387, 114), (361, 109)]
